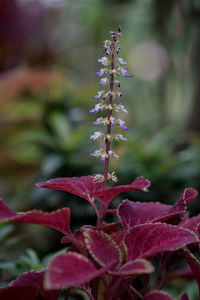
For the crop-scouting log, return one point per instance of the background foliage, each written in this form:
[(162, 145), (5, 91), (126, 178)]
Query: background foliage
[(48, 58)]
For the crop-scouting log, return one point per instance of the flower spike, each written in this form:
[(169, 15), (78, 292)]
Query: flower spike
[(112, 67)]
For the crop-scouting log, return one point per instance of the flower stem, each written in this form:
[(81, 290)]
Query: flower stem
[(107, 142)]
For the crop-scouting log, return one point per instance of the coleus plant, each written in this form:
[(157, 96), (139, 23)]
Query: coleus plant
[(134, 257)]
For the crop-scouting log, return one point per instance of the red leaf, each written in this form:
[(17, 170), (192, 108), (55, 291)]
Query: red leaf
[(102, 248), (118, 237), (189, 194), (106, 227), (138, 266), (191, 224), (89, 189), (149, 239), (59, 220), (34, 279), (157, 295), (107, 195), (84, 187), (134, 213), (70, 270), (5, 211)]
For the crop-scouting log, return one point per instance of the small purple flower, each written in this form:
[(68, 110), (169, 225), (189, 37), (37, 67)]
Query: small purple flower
[(98, 121), (106, 51), (100, 154), (124, 72), (101, 72), (122, 62), (93, 111), (121, 137), (96, 153), (128, 75), (123, 108), (96, 135), (103, 81), (111, 153), (121, 124), (99, 94), (103, 60), (112, 121), (97, 107)]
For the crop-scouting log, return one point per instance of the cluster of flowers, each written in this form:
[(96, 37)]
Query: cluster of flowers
[(111, 68)]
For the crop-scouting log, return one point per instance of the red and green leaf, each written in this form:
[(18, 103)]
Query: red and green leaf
[(59, 220), (35, 279), (70, 270), (138, 266), (149, 239), (134, 213), (85, 187), (102, 248), (29, 285), (139, 184)]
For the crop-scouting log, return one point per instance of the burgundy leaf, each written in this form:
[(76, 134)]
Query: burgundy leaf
[(118, 237), (149, 239), (106, 227), (138, 266), (65, 240), (184, 296), (193, 263), (59, 220), (180, 206), (189, 194), (134, 213), (5, 211), (157, 295), (107, 195), (34, 279), (85, 187), (191, 223), (102, 248), (70, 270)]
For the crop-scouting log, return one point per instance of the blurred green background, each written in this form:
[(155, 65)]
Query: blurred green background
[(48, 60)]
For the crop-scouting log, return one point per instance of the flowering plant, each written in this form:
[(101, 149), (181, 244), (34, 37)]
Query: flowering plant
[(131, 258)]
